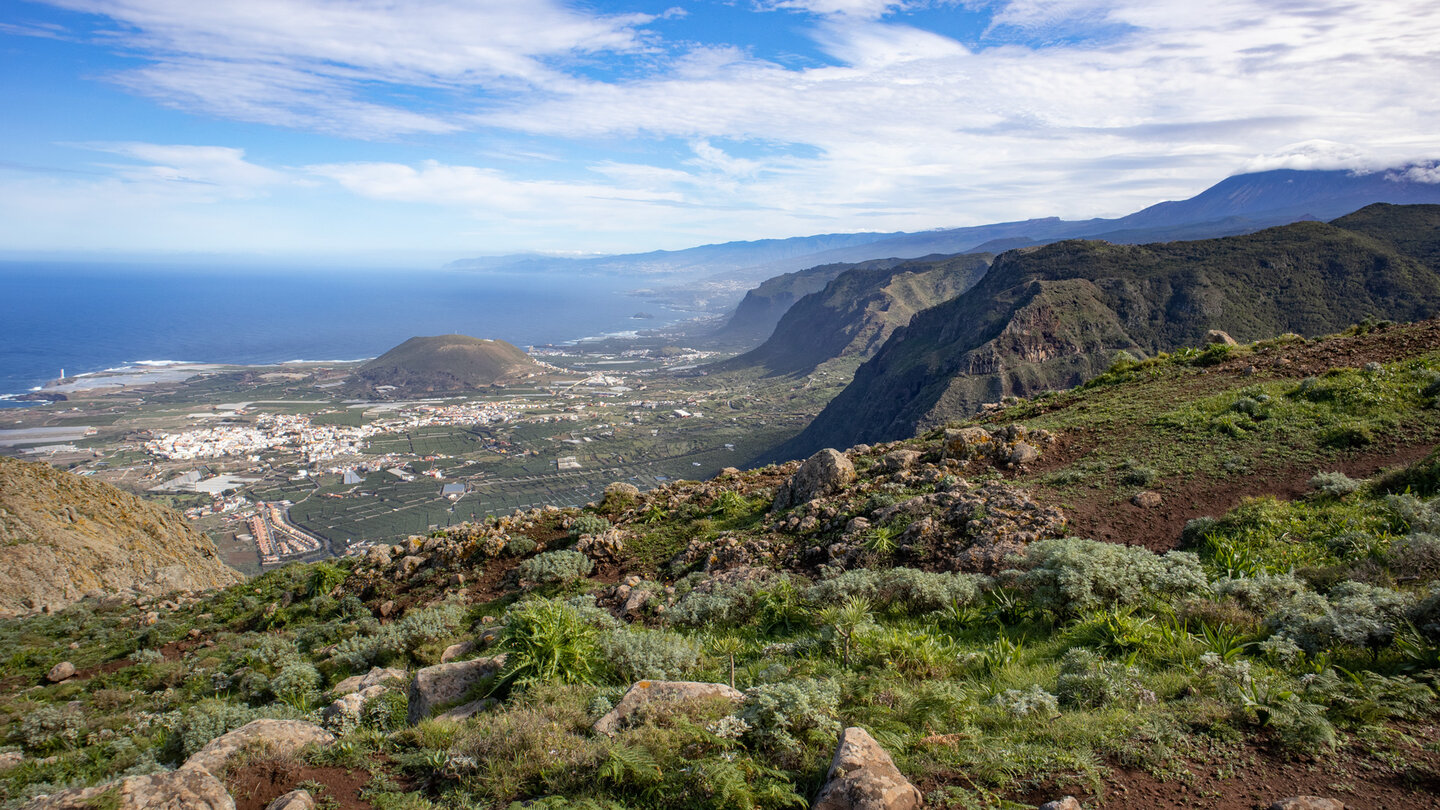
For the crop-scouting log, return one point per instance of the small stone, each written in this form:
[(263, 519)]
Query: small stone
[(1147, 499), (386, 608), (1308, 803), (454, 651), (74, 645), (1064, 803), (194, 632), (62, 671), (294, 800)]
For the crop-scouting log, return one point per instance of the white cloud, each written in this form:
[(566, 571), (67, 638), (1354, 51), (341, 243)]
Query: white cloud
[(223, 168)]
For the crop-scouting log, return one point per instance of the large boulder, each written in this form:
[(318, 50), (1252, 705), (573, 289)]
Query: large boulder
[(645, 693), (283, 737), (62, 671), (185, 789), (824, 473), (445, 684), (862, 776), (294, 800)]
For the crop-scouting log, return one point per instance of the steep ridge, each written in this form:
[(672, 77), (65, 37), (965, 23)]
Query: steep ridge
[(856, 312), (1050, 317), (444, 363), (65, 535), (762, 308)]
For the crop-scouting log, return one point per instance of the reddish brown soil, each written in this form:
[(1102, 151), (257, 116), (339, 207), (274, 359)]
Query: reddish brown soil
[(1095, 516), (257, 784), (1259, 775)]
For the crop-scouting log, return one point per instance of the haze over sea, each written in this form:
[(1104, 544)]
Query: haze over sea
[(85, 317)]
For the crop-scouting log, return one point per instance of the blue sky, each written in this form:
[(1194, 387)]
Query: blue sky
[(435, 129)]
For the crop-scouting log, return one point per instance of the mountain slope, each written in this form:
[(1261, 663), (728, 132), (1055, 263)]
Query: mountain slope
[(64, 535), (444, 363), (856, 312), (762, 308), (1049, 317)]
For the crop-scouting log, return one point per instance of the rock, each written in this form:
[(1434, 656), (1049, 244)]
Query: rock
[(378, 555), (294, 800), (966, 442), (1063, 803), (1023, 453), (444, 684), (897, 460), (1147, 499), (1308, 803), (62, 671), (456, 650), (604, 548), (634, 602), (346, 710), (467, 710), (285, 737), (643, 693), (375, 677), (824, 473), (9, 759), (186, 789), (409, 564), (862, 776), (386, 608), (1219, 337)]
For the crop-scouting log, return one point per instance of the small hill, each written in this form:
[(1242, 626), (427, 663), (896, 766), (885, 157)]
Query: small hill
[(858, 310), (64, 535), (443, 364), (1051, 317)]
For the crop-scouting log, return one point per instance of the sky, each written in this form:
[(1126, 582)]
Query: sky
[(440, 129)]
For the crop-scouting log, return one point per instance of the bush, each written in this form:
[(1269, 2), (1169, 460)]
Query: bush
[(1071, 576), (1033, 702), (1262, 593), (1139, 475), (1336, 484), (203, 722), (1419, 516), (550, 641), (900, 589), (713, 602), (387, 711), (45, 729), (1425, 615), (1089, 682), (785, 718), (637, 655), (1415, 555), (589, 524), (556, 567), (381, 644), (519, 546), (297, 685), (1353, 614)]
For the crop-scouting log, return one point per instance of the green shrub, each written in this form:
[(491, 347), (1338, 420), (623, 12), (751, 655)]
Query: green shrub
[(519, 545), (550, 641), (1353, 614), (1348, 435), (189, 731), (387, 711), (323, 578), (1071, 576), (1032, 702), (903, 590), (786, 718), (377, 645), (1089, 682), (556, 567), (297, 685), (1415, 555), (1138, 475), (1417, 515), (1336, 484), (1261, 593), (45, 729), (638, 654), (588, 523), (715, 603)]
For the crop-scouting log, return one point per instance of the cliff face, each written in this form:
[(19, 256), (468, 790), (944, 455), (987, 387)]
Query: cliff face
[(62, 535), (758, 313), (1051, 317), (856, 312)]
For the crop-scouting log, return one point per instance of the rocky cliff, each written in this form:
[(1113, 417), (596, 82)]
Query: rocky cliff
[(63, 535)]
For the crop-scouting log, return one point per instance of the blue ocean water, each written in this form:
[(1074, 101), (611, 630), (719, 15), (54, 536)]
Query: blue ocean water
[(90, 317)]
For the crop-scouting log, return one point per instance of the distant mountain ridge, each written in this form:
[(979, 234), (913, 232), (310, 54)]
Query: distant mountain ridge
[(443, 364), (1051, 317), (858, 310), (1239, 204)]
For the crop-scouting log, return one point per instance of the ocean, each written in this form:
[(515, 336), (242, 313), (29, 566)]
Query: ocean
[(91, 317)]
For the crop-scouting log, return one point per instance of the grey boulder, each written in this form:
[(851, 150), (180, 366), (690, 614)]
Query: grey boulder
[(862, 776), (645, 693), (824, 473)]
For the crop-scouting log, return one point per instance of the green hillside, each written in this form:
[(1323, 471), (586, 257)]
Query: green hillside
[(857, 311), (949, 594), (1051, 317)]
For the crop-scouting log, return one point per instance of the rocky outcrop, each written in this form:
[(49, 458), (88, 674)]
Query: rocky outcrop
[(862, 776), (649, 693), (65, 535), (185, 789), (282, 737), (825, 473), (445, 684)]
